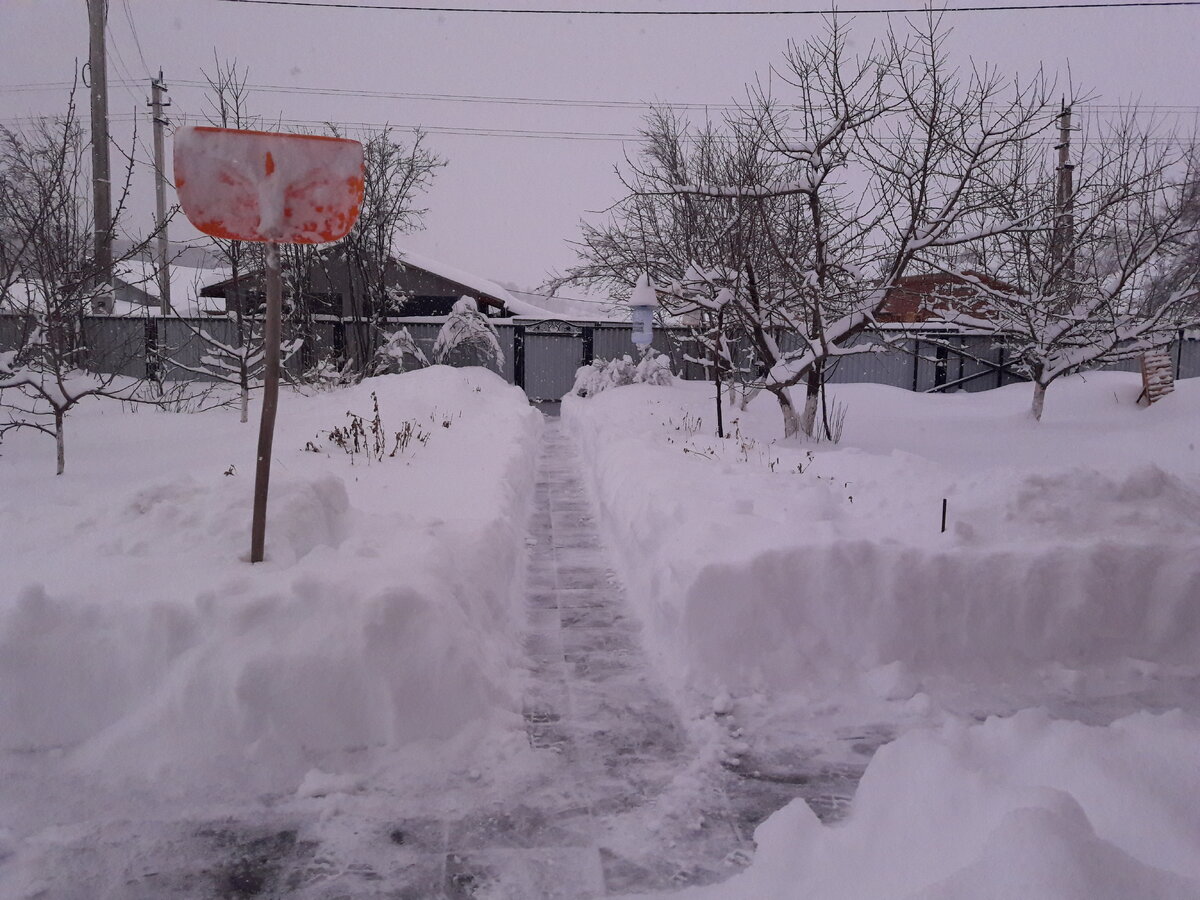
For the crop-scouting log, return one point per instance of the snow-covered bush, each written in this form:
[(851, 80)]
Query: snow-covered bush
[(468, 338), (654, 368), (399, 354)]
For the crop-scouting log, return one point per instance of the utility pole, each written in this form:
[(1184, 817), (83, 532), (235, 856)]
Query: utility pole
[(101, 183), (1064, 203), (157, 87)]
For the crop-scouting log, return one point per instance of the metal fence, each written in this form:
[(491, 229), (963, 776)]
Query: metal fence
[(542, 357)]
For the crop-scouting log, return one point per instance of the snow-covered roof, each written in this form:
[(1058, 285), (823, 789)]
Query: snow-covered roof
[(186, 283), (22, 296), (474, 282)]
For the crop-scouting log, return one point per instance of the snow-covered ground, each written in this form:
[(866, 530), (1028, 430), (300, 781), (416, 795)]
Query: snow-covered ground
[(1036, 664), (143, 659), (804, 592)]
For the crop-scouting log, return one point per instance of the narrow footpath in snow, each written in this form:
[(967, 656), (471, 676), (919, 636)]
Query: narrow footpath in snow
[(628, 806)]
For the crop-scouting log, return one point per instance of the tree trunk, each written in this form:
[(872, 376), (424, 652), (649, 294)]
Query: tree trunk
[(717, 384), (791, 421), (808, 420), (812, 396), (58, 441), (245, 404), (1039, 400)]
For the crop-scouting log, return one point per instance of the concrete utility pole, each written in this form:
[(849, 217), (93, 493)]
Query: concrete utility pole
[(1064, 227), (157, 87), (101, 183)]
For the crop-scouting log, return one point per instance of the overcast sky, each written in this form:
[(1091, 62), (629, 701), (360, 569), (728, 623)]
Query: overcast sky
[(507, 204)]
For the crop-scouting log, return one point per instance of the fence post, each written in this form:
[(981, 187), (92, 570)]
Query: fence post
[(589, 352), (916, 361), (150, 344), (519, 356)]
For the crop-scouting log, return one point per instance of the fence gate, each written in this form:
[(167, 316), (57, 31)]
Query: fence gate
[(553, 350)]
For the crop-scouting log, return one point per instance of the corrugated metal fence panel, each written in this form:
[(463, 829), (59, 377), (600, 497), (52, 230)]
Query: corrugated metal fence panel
[(613, 342), (980, 365), (507, 335), (893, 367), (185, 342), (551, 361), (1189, 359), (117, 346)]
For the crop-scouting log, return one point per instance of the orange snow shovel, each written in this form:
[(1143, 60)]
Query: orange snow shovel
[(274, 189)]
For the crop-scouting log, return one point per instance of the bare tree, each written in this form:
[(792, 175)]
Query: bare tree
[(395, 175), (868, 163), (49, 279), (698, 249), (1082, 285), (240, 361)]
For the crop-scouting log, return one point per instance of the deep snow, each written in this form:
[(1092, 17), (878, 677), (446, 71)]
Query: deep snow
[(800, 602), (803, 592)]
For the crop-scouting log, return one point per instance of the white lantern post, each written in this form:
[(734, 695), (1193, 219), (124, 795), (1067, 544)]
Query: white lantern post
[(642, 303)]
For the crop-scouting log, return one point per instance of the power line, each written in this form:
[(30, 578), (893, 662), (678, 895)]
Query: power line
[(581, 103), (475, 131), (1027, 7), (467, 98)]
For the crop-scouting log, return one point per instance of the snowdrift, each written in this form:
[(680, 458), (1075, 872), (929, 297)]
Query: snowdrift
[(1071, 544), (135, 637), (1021, 807)]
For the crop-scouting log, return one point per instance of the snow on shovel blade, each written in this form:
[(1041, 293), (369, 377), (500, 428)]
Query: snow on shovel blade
[(264, 186)]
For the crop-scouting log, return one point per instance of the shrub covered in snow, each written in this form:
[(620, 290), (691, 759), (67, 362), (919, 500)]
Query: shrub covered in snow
[(468, 338), (654, 368), (399, 354)]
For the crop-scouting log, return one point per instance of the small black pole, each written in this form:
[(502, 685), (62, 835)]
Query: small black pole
[(943, 515)]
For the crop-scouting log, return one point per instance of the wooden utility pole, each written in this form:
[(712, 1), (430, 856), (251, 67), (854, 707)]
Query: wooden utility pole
[(101, 182), (157, 87)]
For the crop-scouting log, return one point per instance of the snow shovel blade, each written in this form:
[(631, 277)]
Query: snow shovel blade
[(265, 186)]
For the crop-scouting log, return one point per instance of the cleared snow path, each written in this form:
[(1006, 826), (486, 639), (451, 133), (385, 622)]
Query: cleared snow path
[(628, 805)]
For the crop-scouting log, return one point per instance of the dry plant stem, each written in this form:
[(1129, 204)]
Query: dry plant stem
[(266, 429)]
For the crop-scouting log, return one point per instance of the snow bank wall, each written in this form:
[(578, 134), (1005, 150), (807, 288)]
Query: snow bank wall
[(1022, 807), (383, 616), (785, 614), (776, 581)]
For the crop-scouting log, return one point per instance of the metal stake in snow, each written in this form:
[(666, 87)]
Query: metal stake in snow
[(642, 303), (274, 189)]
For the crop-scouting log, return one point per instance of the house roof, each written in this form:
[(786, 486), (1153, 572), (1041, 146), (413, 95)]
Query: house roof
[(936, 297), (472, 284), (186, 284), (465, 282)]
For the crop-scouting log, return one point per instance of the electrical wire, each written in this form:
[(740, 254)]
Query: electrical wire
[(538, 101), (136, 41), (1022, 7)]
